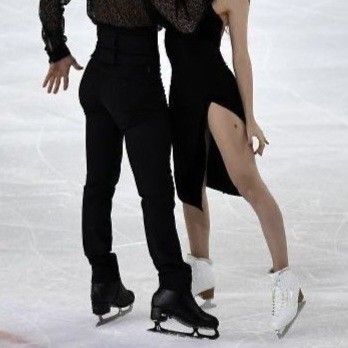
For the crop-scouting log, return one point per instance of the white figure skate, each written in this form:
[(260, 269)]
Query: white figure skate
[(203, 279), (287, 301)]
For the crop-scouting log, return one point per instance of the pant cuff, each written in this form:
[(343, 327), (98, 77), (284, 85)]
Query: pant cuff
[(104, 268)]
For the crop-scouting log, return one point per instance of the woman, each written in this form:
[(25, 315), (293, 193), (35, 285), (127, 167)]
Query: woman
[(214, 124)]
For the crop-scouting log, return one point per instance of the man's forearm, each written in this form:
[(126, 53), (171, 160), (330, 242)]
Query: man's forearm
[(52, 19)]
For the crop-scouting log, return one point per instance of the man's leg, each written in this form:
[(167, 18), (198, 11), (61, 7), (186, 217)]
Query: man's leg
[(148, 147), (104, 155)]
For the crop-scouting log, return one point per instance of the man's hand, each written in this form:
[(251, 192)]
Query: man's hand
[(60, 71)]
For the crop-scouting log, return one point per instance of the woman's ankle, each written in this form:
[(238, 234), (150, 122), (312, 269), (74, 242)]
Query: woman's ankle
[(200, 254), (279, 267)]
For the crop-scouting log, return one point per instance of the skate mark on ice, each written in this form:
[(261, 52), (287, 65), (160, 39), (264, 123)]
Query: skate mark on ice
[(48, 164), (34, 248), (130, 244), (337, 237)]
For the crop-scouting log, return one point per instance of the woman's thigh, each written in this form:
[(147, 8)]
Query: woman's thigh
[(229, 133)]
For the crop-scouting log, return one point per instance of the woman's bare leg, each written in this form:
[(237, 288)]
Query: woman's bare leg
[(230, 135), (198, 227)]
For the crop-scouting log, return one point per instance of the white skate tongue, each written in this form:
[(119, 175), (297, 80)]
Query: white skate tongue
[(192, 259), (208, 304), (275, 275)]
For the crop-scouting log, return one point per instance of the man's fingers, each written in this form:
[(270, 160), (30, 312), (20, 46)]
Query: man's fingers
[(47, 78), (76, 65), (57, 85), (66, 82), (51, 84)]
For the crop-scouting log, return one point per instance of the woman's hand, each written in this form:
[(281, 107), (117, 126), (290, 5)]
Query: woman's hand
[(253, 130), (60, 71)]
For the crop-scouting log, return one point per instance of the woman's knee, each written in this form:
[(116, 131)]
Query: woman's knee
[(249, 186)]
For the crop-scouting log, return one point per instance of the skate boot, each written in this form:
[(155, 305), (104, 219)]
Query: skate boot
[(182, 307), (287, 300), (111, 294), (203, 279)]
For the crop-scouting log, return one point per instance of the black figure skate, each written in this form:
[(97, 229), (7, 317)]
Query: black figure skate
[(107, 295), (183, 308)]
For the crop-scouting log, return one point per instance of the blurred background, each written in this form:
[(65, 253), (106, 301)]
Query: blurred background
[(300, 59)]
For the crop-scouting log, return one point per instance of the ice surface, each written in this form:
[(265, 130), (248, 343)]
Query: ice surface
[(300, 56)]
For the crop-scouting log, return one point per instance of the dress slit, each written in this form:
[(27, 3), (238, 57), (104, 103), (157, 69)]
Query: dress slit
[(200, 77), (216, 170)]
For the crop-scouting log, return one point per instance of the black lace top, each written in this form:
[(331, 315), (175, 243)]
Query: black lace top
[(184, 15)]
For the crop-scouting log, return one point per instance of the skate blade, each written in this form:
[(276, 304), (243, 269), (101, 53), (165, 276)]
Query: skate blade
[(121, 313), (194, 334), (282, 333), (208, 304)]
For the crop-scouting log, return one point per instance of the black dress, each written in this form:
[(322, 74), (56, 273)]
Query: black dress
[(200, 76)]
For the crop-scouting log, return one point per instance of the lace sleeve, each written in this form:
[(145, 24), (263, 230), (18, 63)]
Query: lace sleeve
[(52, 19), (184, 15)]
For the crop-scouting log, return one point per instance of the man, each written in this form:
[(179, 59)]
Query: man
[(122, 95)]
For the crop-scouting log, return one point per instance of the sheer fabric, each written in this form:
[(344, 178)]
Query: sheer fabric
[(184, 15)]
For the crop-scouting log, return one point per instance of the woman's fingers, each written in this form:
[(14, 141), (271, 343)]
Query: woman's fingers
[(265, 140), (250, 138), (262, 144), (256, 151), (261, 148)]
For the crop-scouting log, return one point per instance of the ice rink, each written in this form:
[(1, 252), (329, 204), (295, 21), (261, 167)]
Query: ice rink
[(300, 57)]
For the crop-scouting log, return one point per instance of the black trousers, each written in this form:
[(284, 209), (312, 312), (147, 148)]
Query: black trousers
[(122, 95)]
